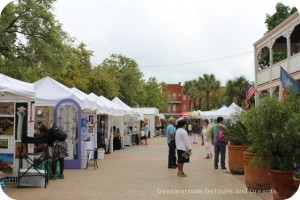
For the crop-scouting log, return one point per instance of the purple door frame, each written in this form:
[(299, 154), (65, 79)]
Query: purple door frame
[(72, 164)]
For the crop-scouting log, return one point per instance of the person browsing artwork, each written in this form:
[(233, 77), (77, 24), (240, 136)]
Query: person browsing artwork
[(170, 134), (183, 146)]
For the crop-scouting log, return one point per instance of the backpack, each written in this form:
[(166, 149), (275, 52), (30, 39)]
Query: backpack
[(57, 134), (220, 136)]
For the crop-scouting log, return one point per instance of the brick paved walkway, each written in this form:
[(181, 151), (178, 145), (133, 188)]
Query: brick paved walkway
[(140, 172)]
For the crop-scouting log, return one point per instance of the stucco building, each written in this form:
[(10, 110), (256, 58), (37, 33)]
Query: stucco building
[(279, 47)]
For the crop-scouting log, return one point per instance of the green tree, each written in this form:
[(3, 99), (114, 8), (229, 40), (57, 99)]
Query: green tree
[(282, 13), (103, 82), (209, 84), (154, 94), (190, 89), (235, 90), (33, 44), (128, 75), (78, 71), (217, 98)]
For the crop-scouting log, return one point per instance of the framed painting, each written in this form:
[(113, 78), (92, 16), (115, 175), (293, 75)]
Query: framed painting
[(7, 108), (3, 143), (6, 163), (20, 147), (6, 126)]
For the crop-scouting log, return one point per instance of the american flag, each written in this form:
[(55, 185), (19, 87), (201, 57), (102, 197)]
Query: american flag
[(250, 91)]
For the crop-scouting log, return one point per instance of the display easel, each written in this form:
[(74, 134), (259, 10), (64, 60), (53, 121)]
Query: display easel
[(32, 169)]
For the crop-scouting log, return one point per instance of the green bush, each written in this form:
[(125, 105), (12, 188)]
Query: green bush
[(273, 127), (237, 134)]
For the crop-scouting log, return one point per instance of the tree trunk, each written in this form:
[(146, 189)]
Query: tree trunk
[(207, 101)]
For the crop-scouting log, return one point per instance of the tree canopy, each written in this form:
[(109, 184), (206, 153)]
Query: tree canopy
[(282, 13), (33, 45)]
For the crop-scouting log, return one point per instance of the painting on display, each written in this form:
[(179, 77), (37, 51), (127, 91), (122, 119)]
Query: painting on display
[(91, 119), (6, 163), (7, 108), (3, 143), (21, 114), (20, 147), (6, 126)]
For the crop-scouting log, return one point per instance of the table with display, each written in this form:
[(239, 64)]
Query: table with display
[(94, 151)]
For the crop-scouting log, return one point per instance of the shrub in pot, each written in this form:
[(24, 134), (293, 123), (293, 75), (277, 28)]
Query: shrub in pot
[(273, 128), (238, 143)]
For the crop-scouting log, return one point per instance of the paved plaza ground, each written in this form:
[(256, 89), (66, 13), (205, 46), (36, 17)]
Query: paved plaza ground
[(140, 172)]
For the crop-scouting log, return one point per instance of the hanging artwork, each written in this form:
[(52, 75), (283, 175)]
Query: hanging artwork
[(6, 126), (3, 143), (6, 163), (21, 120), (20, 148), (67, 120), (7, 108)]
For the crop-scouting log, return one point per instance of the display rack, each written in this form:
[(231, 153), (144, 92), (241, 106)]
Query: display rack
[(33, 160), (29, 172)]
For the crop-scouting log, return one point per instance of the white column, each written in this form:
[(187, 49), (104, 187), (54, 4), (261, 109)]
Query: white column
[(288, 41), (256, 66)]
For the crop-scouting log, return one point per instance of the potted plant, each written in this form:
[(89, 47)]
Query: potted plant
[(256, 172), (273, 129), (237, 135)]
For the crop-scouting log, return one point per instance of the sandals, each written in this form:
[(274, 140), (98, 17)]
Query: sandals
[(181, 175)]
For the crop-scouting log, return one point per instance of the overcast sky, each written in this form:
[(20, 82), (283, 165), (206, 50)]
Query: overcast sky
[(173, 40)]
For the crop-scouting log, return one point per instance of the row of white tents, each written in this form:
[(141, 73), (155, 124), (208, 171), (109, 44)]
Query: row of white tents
[(224, 111), (48, 92)]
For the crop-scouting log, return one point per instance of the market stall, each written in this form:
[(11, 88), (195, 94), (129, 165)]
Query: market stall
[(16, 119)]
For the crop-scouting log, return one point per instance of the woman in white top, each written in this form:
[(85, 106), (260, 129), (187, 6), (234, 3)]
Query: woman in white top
[(183, 146), (206, 132)]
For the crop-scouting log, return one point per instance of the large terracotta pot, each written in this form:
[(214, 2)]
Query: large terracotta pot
[(256, 177), (283, 184), (235, 158)]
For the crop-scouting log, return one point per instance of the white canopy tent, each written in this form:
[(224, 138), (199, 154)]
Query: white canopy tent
[(101, 107), (230, 111), (127, 108), (88, 102), (151, 114), (225, 112), (48, 92), (116, 110), (11, 86)]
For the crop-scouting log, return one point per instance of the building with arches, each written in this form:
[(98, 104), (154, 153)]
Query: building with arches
[(278, 48)]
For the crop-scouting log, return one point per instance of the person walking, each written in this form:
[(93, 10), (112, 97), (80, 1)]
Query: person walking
[(196, 130), (190, 128), (146, 129), (206, 133), (219, 142), (183, 146), (170, 134)]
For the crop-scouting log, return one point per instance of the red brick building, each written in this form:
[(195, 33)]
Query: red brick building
[(179, 102)]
